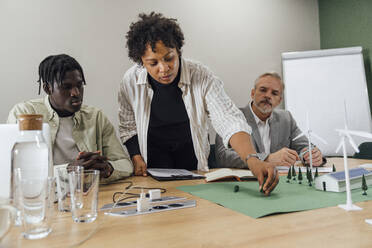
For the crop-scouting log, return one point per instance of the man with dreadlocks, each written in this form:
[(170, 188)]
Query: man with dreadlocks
[(80, 134)]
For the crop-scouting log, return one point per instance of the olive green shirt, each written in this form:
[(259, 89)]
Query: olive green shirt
[(92, 131)]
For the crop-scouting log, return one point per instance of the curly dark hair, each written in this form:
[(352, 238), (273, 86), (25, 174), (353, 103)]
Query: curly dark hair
[(149, 30)]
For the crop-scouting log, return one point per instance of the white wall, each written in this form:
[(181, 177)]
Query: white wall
[(237, 39)]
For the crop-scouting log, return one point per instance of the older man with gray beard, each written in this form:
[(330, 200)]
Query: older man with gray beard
[(273, 130)]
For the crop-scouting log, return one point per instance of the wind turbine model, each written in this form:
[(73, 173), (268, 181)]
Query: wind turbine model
[(345, 133), (309, 134)]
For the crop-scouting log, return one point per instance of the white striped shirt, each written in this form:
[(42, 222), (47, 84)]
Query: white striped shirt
[(204, 98)]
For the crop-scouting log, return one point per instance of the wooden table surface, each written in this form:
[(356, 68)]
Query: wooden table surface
[(207, 225)]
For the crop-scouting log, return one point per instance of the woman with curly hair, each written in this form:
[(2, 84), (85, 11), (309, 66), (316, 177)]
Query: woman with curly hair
[(165, 101)]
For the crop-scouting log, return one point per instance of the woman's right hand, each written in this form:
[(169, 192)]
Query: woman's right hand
[(140, 167)]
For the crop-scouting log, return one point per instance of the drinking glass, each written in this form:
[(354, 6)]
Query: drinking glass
[(34, 194), (63, 187), (7, 214), (84, 195)]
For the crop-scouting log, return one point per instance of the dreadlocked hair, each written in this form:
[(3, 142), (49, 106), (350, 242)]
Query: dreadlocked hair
[(148, 31), (54, 67)]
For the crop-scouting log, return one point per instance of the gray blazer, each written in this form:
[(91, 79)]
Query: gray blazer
[(283, 129)]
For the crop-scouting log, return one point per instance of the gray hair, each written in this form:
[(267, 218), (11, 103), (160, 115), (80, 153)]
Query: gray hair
[(271, 74)]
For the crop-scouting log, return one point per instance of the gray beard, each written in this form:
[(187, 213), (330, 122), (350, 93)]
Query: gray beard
[(263, 110)]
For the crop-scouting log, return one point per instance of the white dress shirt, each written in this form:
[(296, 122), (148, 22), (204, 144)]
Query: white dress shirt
[(204, 97), (264, 130)]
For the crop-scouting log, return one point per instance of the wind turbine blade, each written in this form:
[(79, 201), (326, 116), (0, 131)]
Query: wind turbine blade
[(352, 143), (318, 137), (345, 114), (339, 145), (360, 134), (300, 135)]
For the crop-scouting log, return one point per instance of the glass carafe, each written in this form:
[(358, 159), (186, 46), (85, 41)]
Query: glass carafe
[(30, 152)]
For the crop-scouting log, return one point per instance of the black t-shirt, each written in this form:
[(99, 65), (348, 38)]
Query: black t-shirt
[(169, 121), (169, 135)]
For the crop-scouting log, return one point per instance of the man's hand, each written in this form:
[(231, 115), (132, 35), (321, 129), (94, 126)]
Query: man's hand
[(140, 167), (94, 161), (264, 170), (316, 156), (285, 157)]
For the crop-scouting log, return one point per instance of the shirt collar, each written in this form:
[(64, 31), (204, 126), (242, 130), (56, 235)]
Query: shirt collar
[(185, 72), (258, 120), (142, 77), (53, 114), (184, 79)]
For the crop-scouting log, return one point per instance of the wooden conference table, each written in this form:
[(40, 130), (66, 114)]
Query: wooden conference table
[(208, 225)]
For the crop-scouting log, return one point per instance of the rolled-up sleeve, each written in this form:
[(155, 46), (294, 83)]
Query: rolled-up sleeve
[(226, 118), (127, 122)]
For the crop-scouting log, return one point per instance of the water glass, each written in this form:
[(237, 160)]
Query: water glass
[(35, 196), (7, 214), (84, 195), (63, 187)]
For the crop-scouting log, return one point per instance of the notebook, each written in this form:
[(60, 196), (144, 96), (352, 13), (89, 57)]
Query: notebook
[(161, 174)]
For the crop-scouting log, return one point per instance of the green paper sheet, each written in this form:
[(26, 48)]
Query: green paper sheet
[(287, 197)]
